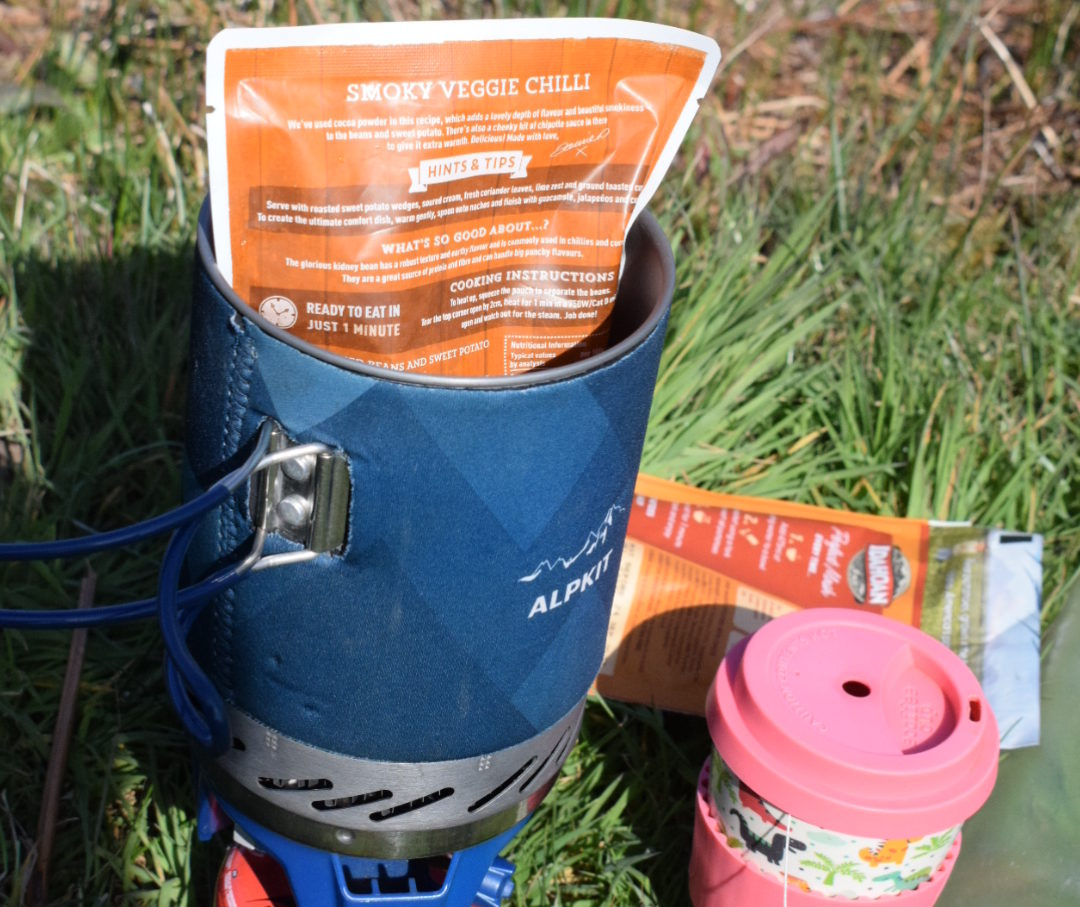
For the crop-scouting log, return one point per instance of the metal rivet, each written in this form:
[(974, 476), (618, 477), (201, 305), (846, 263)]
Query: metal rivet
[(294, 510), (300, 468), (344, 836)]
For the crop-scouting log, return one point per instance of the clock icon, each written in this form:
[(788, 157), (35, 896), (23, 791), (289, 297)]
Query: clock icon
[(279, 311)]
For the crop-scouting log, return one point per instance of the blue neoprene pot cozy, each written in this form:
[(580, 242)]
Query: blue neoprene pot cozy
[(466, 612)]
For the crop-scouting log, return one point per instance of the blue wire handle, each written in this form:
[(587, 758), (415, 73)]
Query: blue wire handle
[(117, 538), (194, 696), (192, 597), (189, 514)]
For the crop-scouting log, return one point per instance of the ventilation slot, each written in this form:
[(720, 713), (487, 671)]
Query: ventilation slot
[(492, 794), (419, 803), (355, 800), (547, 759), (238, 745), (422, 876), (296, 783)]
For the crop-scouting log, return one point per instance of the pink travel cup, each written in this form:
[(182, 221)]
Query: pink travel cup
[(848, 750)]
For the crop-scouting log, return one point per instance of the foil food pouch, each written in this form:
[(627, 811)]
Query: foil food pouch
[(448, 198), (702, 570)]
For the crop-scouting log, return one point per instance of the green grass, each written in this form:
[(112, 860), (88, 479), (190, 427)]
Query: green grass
[(884, 317)]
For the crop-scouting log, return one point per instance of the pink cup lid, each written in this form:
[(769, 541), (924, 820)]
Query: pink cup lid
[(856, 723)]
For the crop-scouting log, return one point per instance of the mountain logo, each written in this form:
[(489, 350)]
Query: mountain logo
[(595, 539)]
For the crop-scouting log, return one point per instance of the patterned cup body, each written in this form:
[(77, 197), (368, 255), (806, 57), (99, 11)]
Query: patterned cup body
[(817, 859)]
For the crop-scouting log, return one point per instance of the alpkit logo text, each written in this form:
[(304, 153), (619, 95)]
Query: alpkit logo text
[(578, 582), (545, 603)]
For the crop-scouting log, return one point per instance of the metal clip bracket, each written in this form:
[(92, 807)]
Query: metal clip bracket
[(301, 492)]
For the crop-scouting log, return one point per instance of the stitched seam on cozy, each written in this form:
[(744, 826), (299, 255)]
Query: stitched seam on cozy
[(237, 387)]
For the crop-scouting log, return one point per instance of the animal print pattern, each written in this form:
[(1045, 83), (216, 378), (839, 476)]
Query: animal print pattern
[(814, 858), (891, 851)]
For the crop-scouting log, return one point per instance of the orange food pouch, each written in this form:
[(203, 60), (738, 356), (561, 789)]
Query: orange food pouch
[(702, 570), (442, 197)]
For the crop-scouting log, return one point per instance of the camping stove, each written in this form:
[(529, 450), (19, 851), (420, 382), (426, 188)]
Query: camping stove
[(315, 827), (381, 714), (357, 831)]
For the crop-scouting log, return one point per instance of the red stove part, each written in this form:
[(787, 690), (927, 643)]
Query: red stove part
[(252, 879)]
